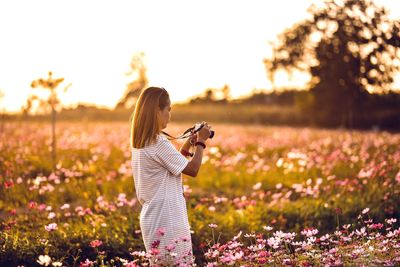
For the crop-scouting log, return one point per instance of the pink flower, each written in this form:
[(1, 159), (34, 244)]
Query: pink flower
[(262, 260), (170, 247), (32, 205), (161, 232), (9, 183), (96, 243), (309, 232), (50, 227), (375, 226), (155, 244), (212, 225), (185, 239), (86, 263), (154, 251), (398, 177)]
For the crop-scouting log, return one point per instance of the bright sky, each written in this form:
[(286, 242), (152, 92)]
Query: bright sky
[(189, 45)]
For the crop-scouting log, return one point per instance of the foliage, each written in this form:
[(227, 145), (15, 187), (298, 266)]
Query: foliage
[(350, 48), (85, 211), (140, 81)]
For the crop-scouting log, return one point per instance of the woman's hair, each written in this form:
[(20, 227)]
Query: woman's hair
[(145, 121)]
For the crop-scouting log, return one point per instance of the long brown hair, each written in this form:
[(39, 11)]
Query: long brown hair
[(145, 121)]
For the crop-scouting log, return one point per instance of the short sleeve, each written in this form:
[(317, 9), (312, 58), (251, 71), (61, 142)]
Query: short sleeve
[(170, 158)]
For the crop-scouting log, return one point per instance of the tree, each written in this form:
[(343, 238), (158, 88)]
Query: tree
[(350, 48), (50, 84), (226, 93), (139, 72), (213, 95)]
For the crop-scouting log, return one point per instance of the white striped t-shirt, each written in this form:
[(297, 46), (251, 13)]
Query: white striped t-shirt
[(157, 176)]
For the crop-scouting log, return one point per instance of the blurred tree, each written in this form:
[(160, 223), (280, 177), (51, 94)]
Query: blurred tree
[(226, 93), (209, 95), (350, 48), (140, 82), (50, 84), (26, 109), (213, 95)]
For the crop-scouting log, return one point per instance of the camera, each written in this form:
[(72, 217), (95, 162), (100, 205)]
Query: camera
[(189, 132), (198, 126)]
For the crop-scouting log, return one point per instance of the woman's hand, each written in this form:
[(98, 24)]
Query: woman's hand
[(204, 132), (193, 139)]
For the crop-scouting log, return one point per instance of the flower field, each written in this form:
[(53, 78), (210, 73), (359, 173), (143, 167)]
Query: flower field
[(264, 196)]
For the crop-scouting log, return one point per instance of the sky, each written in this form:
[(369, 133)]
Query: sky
[(189, 45)]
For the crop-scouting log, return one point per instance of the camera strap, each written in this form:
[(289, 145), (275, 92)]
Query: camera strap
[(189, 132)]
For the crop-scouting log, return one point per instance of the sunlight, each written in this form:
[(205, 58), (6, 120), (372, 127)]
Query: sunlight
[(188, 49)]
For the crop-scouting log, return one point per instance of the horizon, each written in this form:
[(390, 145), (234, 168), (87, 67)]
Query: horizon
[(94, 54)]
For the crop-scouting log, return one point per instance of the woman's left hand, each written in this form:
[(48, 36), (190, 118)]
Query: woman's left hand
[(193, 139)]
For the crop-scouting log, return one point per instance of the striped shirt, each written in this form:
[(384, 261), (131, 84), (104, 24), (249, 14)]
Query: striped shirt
[(157, 176)]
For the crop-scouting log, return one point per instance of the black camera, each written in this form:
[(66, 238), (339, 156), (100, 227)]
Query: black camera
[(198, 126)]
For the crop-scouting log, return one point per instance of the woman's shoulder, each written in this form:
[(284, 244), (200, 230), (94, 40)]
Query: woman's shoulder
[(161, 137), (158, 139)]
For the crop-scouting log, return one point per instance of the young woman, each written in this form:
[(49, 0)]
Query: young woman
[(157, 166)]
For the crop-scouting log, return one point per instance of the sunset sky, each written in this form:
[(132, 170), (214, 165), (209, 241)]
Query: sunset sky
[(189, 45)]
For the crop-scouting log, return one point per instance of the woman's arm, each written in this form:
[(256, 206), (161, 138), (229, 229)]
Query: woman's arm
[(193, 167), (186, 146)]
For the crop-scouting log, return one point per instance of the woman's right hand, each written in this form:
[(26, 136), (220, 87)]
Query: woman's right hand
[(204, 132)]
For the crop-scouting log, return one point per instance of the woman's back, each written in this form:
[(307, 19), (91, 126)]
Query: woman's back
[(153, 165)]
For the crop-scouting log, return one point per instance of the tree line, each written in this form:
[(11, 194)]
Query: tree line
[(351, 50)]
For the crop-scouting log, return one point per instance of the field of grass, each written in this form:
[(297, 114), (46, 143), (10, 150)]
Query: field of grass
[(264, 196)]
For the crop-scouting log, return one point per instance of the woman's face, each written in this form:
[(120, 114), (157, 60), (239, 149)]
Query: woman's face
[(165, 116)]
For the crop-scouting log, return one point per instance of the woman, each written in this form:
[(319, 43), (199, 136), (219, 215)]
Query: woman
[(157, 166)]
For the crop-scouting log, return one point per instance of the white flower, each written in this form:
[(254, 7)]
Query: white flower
[(257, 186), (44, 260), (57, 264), (50, 227), (237, 236), (124, 261), (365, 210), (213, 150), (65, 206), (138, 253), (279, 163), (391, 220), (268, 228)]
